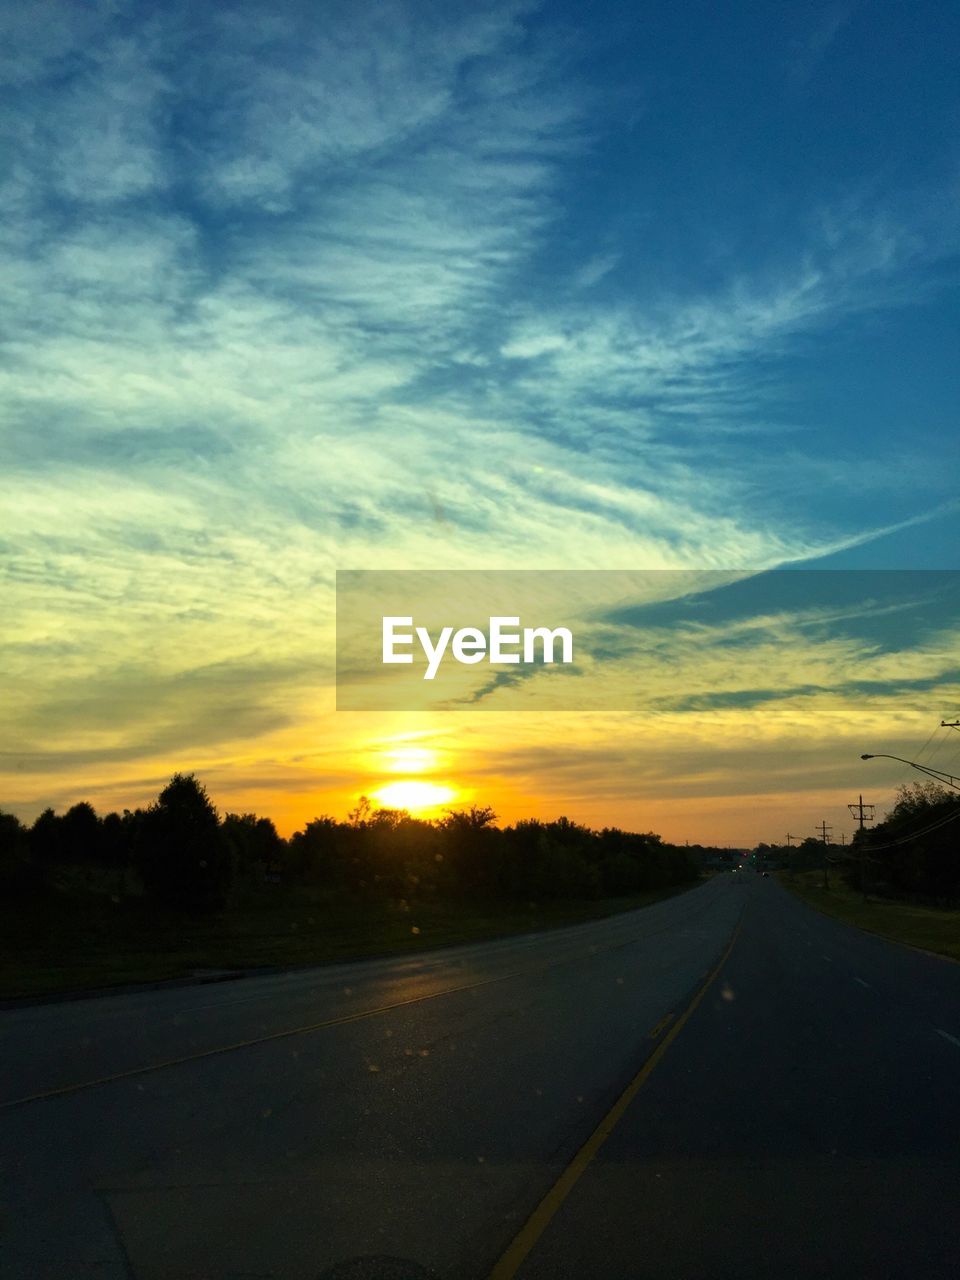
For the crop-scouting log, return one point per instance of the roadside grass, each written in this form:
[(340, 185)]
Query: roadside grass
[(59, 944), (929, 928)]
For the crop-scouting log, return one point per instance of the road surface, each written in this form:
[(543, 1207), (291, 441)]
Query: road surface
[(792, 1108)]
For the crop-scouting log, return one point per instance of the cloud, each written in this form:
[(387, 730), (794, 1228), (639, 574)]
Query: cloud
[(35, 39), (594, 269), (273, 306), (95, 138), (700, 351), (366, 82)]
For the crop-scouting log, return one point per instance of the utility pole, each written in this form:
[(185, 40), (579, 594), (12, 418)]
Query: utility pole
[(790, 839), (950, 724), (825, 827), (859, 811), (790, 860)]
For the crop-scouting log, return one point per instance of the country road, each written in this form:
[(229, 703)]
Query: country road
[(802, 1118)]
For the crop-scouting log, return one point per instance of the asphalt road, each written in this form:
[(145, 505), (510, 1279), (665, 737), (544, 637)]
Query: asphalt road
[(802, 1120)]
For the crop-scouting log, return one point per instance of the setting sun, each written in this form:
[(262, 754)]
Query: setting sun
[(415, 796)]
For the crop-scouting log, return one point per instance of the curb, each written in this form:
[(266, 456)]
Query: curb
[(130, 988)]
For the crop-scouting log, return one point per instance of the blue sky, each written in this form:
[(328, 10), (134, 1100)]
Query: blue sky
[(442, 286)]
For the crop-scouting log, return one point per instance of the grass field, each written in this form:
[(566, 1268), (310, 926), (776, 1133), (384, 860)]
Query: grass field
[(61, 945), (929, 928)]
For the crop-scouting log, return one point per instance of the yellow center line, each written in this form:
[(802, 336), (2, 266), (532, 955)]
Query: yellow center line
[(525, 1240), (660, 1025)]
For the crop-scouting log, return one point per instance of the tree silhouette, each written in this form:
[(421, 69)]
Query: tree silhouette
[(80, 834), (16, 873), (46, 842), (257, 851), (184, 858)]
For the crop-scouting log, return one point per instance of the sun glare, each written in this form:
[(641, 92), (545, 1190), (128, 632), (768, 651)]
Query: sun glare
[(415, 796)]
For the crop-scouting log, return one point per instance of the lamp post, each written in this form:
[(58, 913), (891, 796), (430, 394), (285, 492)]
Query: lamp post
[(939, 774)]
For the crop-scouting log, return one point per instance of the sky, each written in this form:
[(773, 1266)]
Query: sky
[(471, 286)]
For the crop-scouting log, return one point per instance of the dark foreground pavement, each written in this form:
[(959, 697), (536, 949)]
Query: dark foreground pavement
[(805, 1121)]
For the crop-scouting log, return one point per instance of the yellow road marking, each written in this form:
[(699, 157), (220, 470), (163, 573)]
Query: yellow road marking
[(660, 1025), (543, 1215)]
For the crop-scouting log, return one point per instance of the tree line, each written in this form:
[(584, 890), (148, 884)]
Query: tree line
[(914, 853), (178, 853)]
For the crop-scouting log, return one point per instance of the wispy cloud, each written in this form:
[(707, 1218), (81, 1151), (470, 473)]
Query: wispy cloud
[(275, 301)]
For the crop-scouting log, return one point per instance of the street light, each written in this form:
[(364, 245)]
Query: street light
[(940, 776)]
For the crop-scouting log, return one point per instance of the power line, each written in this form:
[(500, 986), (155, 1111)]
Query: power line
[(951, 724), (933, 731), (945, 742), (824, 828), (915, 835)]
